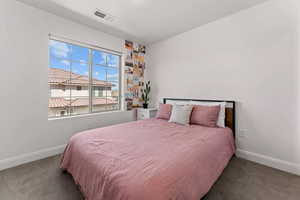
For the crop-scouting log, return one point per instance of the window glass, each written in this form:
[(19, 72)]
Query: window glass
[(99, 73), (112, 74), (58, 79), (79, 79), (112, 61), (80, 54), (71, 90), (60, 50), (99, 58)]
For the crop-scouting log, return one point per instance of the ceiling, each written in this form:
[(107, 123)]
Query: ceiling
[(144, 21)]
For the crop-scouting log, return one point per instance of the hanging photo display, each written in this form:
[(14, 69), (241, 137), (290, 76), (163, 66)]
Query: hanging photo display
[(134, 68)]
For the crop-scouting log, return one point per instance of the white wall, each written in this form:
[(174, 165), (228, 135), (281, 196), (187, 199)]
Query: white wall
[(251, 57), (25, 127)]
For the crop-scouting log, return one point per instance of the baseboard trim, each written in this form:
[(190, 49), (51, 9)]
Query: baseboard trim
[(29, 157), (269, 161)]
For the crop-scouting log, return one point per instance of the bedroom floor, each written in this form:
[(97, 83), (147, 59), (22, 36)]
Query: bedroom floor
[(241, 180)]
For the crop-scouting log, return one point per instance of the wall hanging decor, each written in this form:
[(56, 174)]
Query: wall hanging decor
[(134, 68)]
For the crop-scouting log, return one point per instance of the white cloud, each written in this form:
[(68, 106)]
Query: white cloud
[(59, 49), (65, 62), (96, 73)]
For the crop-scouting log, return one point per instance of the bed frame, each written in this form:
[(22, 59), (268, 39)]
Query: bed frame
[(229, 113)]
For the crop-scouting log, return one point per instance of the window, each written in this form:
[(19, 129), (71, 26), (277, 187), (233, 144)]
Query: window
[(82, 80)]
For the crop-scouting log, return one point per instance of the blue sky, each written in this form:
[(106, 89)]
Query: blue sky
[(61, 55)]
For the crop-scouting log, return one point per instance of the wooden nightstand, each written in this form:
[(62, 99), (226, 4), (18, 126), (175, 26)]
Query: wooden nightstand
[(148, 113)]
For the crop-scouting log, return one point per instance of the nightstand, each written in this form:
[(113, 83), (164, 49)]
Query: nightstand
[(147, 113)]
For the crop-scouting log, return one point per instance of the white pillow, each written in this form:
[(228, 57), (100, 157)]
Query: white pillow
[(181, 114), (221, 118)]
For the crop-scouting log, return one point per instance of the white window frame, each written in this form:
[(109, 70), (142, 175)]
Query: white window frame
[(91, 47)]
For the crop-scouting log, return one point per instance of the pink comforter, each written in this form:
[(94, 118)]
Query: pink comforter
[(148, 160)]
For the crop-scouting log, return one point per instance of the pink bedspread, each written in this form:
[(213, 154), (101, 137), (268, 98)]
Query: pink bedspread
[(148, 160)]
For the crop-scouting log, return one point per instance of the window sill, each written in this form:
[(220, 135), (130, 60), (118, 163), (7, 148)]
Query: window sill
[(87, 115)]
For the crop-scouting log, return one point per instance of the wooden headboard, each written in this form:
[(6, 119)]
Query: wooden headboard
[(229, 113)]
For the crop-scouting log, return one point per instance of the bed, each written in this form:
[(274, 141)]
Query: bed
[(150, 159)]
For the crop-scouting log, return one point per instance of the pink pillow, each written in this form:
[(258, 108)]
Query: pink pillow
[(164, 111), (205, 115)]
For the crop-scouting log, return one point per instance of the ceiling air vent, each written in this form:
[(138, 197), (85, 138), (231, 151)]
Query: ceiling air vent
[(100, 14), (104, 15)]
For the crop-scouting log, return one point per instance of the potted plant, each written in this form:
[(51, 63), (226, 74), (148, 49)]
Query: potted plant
[(145, 94)]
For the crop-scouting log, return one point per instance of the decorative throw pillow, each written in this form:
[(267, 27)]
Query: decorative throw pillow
[(205, 115), (181, 114), (164, 111), (222, 113)]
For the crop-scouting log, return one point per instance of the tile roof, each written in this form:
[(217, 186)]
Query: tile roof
[(62, 102), (63, 77)]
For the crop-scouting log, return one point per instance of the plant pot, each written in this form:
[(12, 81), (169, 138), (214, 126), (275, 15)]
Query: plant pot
[(145, 105)]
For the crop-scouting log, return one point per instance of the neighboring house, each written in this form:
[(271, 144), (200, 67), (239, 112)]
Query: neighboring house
[(69, 94)]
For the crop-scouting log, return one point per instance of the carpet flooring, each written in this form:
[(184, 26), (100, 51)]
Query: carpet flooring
[(241, 180)]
